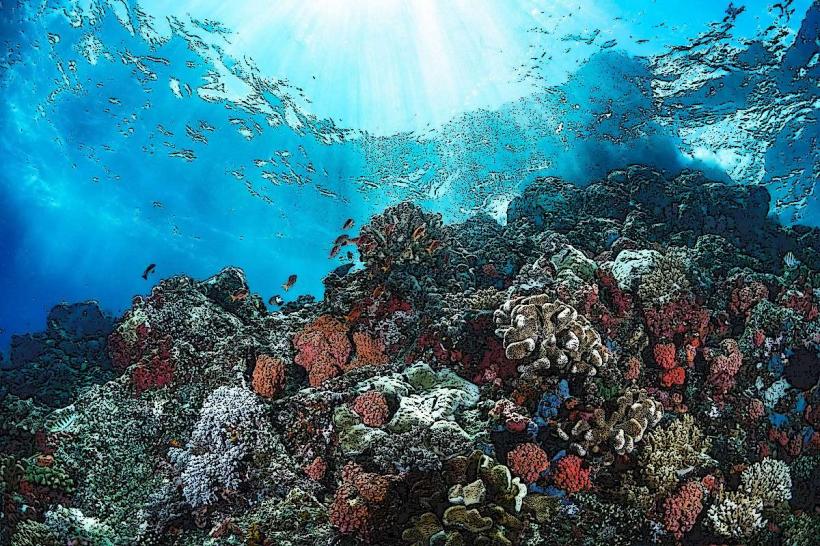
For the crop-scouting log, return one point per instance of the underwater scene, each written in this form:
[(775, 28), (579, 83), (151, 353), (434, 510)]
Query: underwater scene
[(409, 272)]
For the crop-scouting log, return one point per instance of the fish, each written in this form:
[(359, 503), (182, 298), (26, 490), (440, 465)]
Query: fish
[(791, 261), (348, 224), (341, 239), (173, 442), (349, 255), (148, 270), (335, 250), (239, 295), (419, 232), (433, 246), (342, 270), (276, 300), (378, 291), (289, 283)]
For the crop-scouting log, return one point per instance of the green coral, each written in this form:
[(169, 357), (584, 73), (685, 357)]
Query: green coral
[(33, 533)]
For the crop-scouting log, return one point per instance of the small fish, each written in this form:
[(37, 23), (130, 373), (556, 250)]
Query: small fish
[(419, 232), (289, 283), (791, 261), (353, 315), (239, 295), (341, 240), (276, 300), (378, 291), (148, 270), (349, 255), (173, 442), (335, 250), (433, 246), (348, 224)]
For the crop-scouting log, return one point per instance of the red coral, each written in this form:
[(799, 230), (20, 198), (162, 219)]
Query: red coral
[(745, 297), (633, 369), (724, 367), (672, 377), (665, 355), (570, 476), (528, 461), (316, 469), (322, 349), (268, 376), (372, 408), (801, 301), (681, 510), (682, 316), (155, 369)]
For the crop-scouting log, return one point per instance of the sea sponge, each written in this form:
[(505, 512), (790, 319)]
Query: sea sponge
[(268, 378), (528, 461), (551, 332), (724, 367)]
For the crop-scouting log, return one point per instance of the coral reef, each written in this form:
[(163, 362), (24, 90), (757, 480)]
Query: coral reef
[(633, 362)]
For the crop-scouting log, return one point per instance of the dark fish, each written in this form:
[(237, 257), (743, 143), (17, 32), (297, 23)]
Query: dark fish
[(335, 250), (148, 270), (276, 300), (341, 240), (348, 224), (342, 270), (289, 283), (349, 255)]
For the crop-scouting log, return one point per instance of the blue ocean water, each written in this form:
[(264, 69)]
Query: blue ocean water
[(196, 135)]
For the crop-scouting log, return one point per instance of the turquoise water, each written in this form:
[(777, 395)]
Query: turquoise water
[(213, 134)]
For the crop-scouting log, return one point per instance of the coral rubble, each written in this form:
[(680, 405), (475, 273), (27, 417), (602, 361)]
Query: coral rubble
[(633, 362)]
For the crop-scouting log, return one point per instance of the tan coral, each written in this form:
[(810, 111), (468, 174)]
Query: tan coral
[(621, 431), (551, 332), (670, 452)]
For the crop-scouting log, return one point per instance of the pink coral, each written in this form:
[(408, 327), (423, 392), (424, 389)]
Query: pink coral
[(724, 367), (682, 316), (323, 349), (528, 461), (268, 376), (316, 469), (359, 502), (745, 296), (681, 510), (372, 408), (570, 475), (369, 352), (155, 369), (665, 355)]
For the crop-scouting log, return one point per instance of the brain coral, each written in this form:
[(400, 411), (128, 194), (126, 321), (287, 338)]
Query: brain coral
[(551, 332)]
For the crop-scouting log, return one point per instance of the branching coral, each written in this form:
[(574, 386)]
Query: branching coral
[(670, 449), (551, 332), (736, 515)]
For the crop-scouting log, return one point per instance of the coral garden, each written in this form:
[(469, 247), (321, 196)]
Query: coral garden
[(633, 362)]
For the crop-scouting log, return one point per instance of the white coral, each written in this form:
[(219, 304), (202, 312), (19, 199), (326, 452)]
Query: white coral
[(736, 515), (768, 480)]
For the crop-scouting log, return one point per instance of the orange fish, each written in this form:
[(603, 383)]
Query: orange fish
[(239, 295), (348, 224), (433, 246), (289, 283), (173, 442), (353, 315), (378, 291), (419, 232)]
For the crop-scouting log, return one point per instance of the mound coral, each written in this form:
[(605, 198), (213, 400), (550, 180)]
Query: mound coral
[(323, 349), (528, 461), (268, 378), (372, 408), (571, 476), (681, 509)]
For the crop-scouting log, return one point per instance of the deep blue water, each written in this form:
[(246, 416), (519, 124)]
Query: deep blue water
[(206, 134)]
